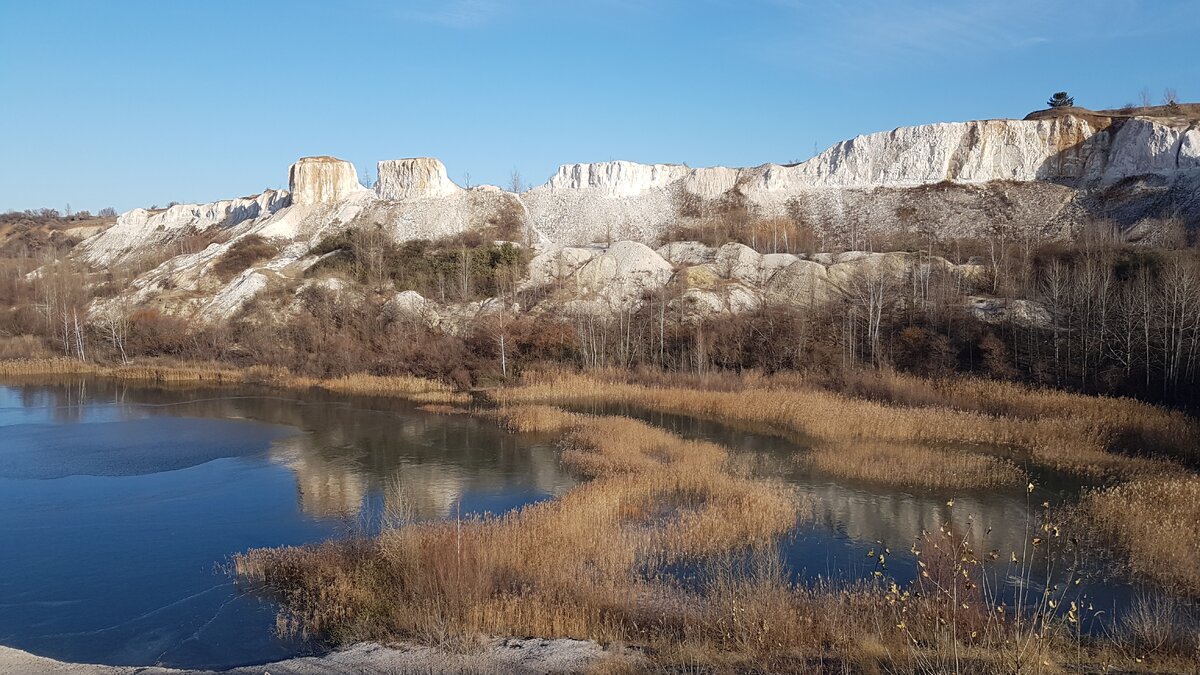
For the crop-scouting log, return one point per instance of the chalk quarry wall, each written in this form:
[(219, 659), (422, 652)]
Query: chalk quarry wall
[(1039, 176)]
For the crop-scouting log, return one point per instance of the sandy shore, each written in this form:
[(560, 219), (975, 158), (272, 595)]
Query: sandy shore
[(512, 655)]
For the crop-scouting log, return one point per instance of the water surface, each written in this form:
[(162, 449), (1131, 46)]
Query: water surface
[(120, 506)]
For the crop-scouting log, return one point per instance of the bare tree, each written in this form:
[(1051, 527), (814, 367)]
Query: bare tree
[(1170, 97), (872, 291), (464, 273), (78, 330), (1055, 287), (116, 328), (516, 185), (370, 248)]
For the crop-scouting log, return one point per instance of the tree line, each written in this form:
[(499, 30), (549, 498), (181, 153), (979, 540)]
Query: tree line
[(1096, 314)]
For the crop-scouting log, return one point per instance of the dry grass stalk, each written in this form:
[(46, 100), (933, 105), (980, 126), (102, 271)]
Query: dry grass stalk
[(534, 418)]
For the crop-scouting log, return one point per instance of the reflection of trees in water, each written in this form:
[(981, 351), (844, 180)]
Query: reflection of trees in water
[(421, 464), (67, 402)]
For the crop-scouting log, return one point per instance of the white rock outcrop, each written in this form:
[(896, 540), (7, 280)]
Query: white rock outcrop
[(415, 178), (558, 265), (1036, 177), (803, 283), (617, 179), (686, 253), (141, 231), (322, 180), (623, 273)]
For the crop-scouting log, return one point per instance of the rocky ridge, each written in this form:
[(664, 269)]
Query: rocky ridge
[(1039, 177)]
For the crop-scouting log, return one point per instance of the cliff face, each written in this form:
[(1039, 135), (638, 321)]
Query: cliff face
[(322, 180), (419, 178), (1033, 177)]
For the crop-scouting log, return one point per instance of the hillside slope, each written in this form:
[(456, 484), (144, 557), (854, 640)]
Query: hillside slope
[(1042, 177)]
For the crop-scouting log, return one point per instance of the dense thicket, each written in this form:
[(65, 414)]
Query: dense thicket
[(1118, 318)]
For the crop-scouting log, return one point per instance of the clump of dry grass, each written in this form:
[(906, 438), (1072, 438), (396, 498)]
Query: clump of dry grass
[(534, 418), (405, 386), (22, 347), (401, 386), (136, 372), (911, 465), (1064, 441), (582, 566), (443, 409), (1157, 523)]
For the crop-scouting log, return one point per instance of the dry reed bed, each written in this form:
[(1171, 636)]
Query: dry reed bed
[(1065, 441), (1157, 523), (1137, 426), (575, 566), (413, 388), (911, 465)]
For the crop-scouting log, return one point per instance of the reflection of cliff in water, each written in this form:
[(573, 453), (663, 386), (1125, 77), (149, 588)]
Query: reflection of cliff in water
[(429, 466), (423, 465), (866, 513), (898, 520)]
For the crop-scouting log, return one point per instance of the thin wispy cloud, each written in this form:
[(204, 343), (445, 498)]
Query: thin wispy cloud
[(873, 33)]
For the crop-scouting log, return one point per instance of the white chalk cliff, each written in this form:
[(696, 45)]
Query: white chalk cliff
[(322, 180), (1041, 176), (418, 178)]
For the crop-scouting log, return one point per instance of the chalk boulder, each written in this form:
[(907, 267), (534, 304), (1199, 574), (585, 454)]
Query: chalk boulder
[(623, 273)]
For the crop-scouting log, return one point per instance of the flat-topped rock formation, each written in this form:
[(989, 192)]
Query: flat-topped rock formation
[(418, 178), (322, 180)]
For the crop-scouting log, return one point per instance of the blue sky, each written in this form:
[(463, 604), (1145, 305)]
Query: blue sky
[(130, 103)]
